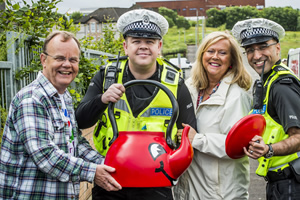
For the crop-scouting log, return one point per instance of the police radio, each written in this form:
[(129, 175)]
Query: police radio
[(258, 94), (112, 72)]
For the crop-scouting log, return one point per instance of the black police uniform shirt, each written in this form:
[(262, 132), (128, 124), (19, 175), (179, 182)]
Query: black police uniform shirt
[(91, 107), (284, 102)]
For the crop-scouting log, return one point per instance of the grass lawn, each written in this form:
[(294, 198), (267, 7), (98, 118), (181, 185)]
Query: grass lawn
[(176, 40), (290, 41)]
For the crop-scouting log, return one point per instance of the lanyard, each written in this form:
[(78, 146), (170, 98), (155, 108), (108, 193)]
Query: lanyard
[(70, 137), (68, 119)]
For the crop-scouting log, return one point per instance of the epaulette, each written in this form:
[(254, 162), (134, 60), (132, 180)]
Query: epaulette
[(120, 58), (280, 68), (102, 67), (169, 63)]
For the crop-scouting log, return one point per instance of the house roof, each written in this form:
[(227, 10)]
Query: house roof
[(101, 14)]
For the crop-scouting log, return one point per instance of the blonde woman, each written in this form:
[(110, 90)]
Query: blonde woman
[(218, 87)]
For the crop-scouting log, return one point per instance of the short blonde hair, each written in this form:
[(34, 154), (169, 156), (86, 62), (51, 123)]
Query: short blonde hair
[(66, 36), (241, 76)]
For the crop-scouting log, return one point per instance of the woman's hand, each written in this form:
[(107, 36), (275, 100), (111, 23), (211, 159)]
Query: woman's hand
[(191, 134)]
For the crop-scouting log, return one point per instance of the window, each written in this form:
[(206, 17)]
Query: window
[(93, 27)]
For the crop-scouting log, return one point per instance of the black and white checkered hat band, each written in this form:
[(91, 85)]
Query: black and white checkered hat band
[(143, 27), (254, 32)]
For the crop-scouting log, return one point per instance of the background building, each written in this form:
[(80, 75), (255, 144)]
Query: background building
[(189, 8), (93, 23)]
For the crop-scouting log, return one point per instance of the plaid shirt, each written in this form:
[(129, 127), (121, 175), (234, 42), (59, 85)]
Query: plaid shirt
[(34, 159)]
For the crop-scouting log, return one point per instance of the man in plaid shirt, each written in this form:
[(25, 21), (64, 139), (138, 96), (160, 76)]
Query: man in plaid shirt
[(43, 155)]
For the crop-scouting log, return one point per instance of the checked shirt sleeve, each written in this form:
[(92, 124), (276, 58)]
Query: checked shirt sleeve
[(86, 152), (45, 142)]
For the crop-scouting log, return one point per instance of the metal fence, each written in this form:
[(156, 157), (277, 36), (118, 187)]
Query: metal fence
[(19, 56), (6, 83)]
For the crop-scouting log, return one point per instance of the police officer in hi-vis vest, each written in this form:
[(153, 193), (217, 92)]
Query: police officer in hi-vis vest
[(276, 97), (140, 107)]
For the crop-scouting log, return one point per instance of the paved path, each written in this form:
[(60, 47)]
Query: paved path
[(257, 189), (257, 184)]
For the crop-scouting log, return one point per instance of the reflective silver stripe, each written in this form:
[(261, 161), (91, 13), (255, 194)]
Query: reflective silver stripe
[(121, 104), (146, 113), (277, 167)]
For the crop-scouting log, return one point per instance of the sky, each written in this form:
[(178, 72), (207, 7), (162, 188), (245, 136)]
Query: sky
[(76, 5)]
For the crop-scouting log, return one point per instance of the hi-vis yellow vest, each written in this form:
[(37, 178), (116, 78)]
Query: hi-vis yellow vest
[(155, 117), (274, 132)]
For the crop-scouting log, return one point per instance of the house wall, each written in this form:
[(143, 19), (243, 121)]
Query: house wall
[(188, 8), (86, 30), (91, 28), (82, 32)]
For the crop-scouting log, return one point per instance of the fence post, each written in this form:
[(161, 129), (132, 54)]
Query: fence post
[(11, 46), (6, 89)]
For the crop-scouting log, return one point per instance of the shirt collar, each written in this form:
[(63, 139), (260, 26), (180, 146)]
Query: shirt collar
[(47, 85)]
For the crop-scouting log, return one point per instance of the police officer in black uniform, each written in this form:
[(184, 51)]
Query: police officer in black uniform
[(143, 31), (276, 97)]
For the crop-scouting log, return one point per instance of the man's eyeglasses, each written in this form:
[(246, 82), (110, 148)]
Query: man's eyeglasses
[(62, 59), (250, 51)]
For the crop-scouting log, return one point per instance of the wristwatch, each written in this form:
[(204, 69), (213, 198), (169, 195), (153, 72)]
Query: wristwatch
[(270, 153)]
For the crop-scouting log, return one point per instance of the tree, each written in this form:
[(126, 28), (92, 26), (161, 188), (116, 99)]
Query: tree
[(168, 12), (182, 22), (235, 14), (76, 16), (215, 17), (298, 22), (287, 17), (173, 18), (31, 22), (36, 20), (170, 21)]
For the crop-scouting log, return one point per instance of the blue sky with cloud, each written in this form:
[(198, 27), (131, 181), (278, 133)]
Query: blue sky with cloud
[(76, 5)]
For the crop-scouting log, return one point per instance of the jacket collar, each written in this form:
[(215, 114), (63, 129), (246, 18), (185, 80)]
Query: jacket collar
[(218, 98)]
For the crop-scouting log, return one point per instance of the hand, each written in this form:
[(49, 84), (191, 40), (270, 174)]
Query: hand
[(191, 135), (105, 180), (113, 93), (257, 148)]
